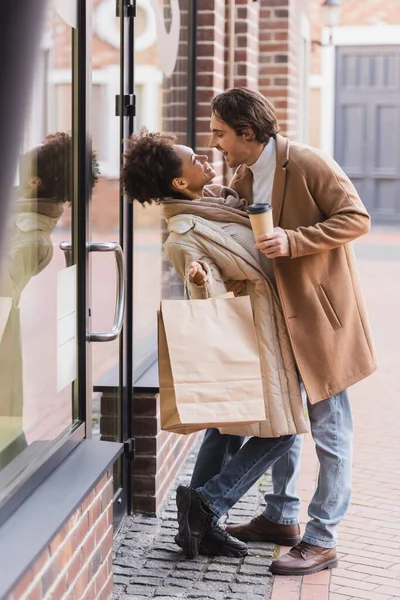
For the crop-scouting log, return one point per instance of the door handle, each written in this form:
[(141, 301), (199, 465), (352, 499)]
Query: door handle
[(108, 336), (66, 247), (120, 293)]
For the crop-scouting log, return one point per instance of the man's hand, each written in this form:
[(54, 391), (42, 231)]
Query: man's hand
[(236, 287), (274, 244), (197, 274)]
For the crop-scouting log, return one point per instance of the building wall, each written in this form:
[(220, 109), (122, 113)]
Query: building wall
[(77, 564), (246, 68), (284, 58), (369, 13), (158, 455), (211, 45)]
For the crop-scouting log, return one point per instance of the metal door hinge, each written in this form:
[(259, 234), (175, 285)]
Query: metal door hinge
[(128, 7), (129, 447), (128, 105)]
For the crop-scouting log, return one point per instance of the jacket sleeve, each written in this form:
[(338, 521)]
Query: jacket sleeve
[(181, 255), (27, 260), (345, 215)]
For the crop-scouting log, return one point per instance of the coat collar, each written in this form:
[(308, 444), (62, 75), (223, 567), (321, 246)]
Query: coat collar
[(243, 178)]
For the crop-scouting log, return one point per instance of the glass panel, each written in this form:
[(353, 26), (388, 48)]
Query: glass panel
[(162, 105), (37, 291)]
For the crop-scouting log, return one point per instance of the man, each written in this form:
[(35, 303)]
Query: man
[(317, 213)]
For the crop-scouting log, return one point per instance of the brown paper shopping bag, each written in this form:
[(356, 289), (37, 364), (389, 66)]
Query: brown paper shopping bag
[(209, 368)]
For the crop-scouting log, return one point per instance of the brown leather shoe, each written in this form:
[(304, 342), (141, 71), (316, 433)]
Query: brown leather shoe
[(305, 559), (261, 529)]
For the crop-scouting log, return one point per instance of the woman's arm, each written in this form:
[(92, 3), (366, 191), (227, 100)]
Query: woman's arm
[(181, 256)]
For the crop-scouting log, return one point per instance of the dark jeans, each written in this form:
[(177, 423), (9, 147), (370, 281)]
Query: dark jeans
[(226, 468)]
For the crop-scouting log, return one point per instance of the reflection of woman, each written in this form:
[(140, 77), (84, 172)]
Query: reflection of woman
[(211, 245), (29, 249), (44, 189)]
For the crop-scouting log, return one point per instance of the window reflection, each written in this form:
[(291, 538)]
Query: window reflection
[(162, 106), (34, 408)]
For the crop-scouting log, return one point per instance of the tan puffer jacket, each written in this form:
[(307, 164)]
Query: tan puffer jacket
[(193, 238)]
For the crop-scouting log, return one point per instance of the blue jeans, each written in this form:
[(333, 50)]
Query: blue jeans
[(332, 431), (235, 469)]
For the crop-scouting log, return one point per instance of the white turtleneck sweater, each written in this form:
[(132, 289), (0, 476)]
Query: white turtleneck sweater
[(263, 174)]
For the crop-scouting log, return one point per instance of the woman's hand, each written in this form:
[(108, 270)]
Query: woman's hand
[(236, 287), (197, 274)]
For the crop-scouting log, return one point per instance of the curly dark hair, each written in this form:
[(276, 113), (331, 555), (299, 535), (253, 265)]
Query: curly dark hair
[(51, 162), (150, 165), (241, 108)]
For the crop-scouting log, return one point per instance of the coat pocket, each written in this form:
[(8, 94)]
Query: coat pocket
[(328, 308)]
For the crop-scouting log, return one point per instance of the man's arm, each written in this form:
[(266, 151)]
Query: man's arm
[(337, 199), (345, 215)]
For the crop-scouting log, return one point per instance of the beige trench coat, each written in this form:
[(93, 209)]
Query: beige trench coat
[(318, 206), (196, 239), (27, 251)]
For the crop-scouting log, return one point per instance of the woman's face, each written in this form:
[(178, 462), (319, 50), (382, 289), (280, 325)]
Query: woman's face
[(196, 171)]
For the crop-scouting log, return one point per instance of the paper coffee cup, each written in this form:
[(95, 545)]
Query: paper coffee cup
[(260, 216)]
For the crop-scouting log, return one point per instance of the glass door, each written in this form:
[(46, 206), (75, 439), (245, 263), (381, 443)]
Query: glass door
[(63, 286), (112, 115), (97, 223)]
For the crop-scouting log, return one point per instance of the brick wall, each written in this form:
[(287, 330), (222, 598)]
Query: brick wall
[(77, 564), (210, 71), (282, 56), (227, 55), (175, 87), (158, 455), (275, 72), (247, 48)]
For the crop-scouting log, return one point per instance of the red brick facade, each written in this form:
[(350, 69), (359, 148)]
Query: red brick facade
[(158, 455), (265, 53), (284, 60), (210, 70), (77, 564)]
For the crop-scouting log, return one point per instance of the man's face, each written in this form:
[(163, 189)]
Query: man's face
[(236, 148)]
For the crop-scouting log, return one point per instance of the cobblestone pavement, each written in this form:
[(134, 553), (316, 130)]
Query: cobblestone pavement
[(148, 564)]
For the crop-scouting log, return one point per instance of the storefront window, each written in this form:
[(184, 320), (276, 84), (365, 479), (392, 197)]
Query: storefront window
[(162, 75), (37, 291)]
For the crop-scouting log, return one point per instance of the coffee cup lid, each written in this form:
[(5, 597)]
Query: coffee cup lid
[(256, 209)]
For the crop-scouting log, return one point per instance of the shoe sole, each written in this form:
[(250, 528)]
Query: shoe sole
[(293, 541), (189, 543), (213, 550), (330, 564), (210, 550)]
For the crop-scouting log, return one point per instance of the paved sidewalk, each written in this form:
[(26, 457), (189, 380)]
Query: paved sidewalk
[(147, 563), (369, 536)]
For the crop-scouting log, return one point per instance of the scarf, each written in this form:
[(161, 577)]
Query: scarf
[(218, 203)]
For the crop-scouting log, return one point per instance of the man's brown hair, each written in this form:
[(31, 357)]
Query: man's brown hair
[(242, 108)]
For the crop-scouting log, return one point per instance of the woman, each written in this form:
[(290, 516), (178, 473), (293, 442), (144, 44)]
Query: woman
[(44, 178), (211, 246)]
